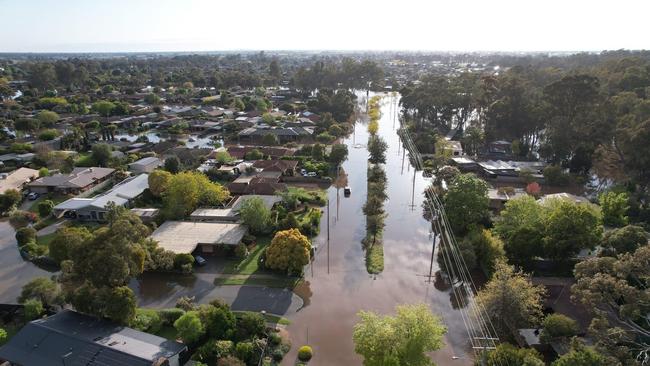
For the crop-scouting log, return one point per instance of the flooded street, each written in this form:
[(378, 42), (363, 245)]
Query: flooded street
[(337, 286), (14, 271)]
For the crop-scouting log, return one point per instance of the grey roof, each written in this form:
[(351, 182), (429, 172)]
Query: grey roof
[(184, 236), (73, 339), (146, 161), (79, 178), (120, 194)]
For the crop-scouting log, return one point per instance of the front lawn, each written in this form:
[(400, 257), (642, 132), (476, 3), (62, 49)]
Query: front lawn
[(278, 281), (250, 264), (45, 239)]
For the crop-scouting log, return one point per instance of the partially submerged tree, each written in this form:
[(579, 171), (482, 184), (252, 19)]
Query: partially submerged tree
[(403, 339)]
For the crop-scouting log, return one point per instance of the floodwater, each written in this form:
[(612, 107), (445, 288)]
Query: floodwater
[(14, 270), (338, 286), (191, 141)]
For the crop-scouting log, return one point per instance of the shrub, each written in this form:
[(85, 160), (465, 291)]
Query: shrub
[(147, 320), (33, 309), (48, 135), (244, 351), (45, 208), (555, 176), (20, 219), (182, 259), (229, 361), (305, 353), (275, 339), (558, 326), (3, 336), (169, 316), (241, 251), (189, 327), (614, 206), (25, 235)]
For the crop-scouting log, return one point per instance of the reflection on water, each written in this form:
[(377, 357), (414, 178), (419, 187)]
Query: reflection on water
[(340, 285), (191, 141)]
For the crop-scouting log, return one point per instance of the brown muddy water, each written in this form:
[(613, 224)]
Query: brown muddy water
[(337, 285)]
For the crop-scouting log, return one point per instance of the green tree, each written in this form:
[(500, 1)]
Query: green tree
[(507, 354), (219, 321), (42, 289), (98, 271), (101, 154), (103, 108), (254, 154), (223, 157), (521, 226), (614, 206), (45, 208), (33, 309), (25, 235), (66, 240), (466, 202), (152, 99), (173, 164), (487, 248), (317, 152), (404, 339), (9, 200), (47, 118), (511, 300), (188, 190), (377, 147), (558, 327), (582, 356), (289, 251), (624, 240), (255, 214), (338, 154), (250, 326), (615, 286), (158, 181), (189, 327), (570, 227)]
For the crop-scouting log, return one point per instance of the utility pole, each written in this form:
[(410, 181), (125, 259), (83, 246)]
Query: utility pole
[(328, 235), (433, 247)]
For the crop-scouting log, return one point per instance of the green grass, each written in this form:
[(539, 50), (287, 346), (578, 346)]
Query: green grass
[(278, 282), (85, 160), (250, 264), (56, 199), (45, 239), (270, 318), (318, 196)]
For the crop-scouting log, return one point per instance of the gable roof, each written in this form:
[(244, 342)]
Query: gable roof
[(79, 178), (70, 338)]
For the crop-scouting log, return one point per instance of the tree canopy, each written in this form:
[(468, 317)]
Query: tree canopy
[(403, 339)]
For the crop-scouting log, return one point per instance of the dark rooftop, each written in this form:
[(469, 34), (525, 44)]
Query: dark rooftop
[(73, 339)]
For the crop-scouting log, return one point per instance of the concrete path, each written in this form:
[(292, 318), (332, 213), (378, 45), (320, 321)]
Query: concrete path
[(51, 229)]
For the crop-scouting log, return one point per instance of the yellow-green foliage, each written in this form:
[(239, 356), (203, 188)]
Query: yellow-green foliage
[(289, 251)]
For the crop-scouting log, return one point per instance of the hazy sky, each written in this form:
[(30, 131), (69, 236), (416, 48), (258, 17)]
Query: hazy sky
[(205, 25)]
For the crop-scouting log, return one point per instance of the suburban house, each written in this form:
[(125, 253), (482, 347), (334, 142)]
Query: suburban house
[(285, 167), (231, 213), (255, 185), (283, 134), (80, 180), (94, 209), (145, 165), (498, 197), (239, 152), (187, 236), (17, 179), (71, 338), (562, 196)]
